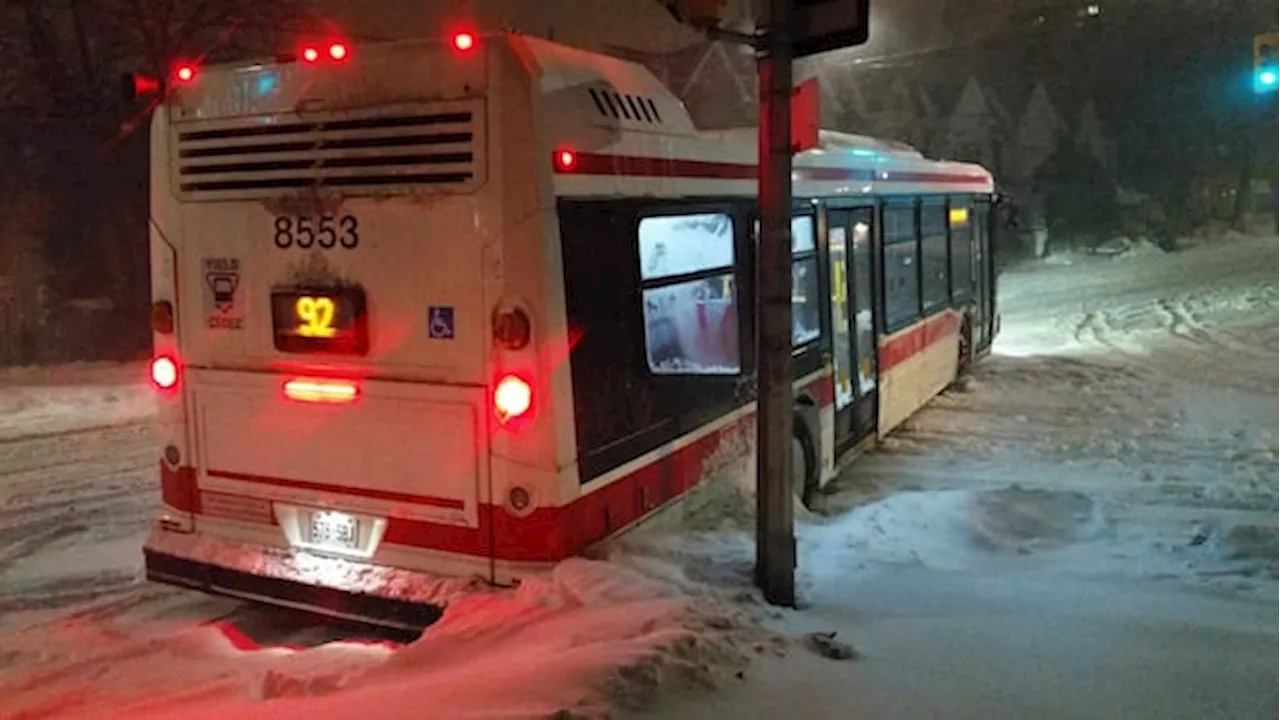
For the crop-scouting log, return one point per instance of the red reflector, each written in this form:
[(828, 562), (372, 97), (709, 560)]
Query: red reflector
[(162, 317), (185, 73), (164, 372), (320, 391), (464, 41), (338, 51), (512, 397), (310, 54), (566, 159)]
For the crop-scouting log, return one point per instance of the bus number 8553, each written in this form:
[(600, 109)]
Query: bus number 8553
[(325, 232)]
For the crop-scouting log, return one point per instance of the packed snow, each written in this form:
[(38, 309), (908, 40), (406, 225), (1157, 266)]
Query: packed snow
[(1085, 528), (46, 401)]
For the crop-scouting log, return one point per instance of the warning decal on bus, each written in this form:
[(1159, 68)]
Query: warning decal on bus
[(222, 282)]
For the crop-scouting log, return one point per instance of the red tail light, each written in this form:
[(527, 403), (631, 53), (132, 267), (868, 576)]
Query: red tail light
[(512, 398), (310, 54), (321, 391), (338, 51), (184, 73), (164, 372)]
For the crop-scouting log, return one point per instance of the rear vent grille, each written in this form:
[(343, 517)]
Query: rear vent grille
[(440, 149), (621, 106)]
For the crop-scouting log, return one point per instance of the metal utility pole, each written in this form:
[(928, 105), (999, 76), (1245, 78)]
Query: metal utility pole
[(775, 521), (788, 29)]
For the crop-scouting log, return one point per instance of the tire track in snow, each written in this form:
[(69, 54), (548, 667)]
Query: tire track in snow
[(65, 449), (91, 488)]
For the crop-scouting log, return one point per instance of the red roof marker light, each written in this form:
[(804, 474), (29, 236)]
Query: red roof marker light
[(464, 41)]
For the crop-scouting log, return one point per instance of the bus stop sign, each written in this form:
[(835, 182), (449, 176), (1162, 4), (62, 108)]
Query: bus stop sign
[(821, 25)]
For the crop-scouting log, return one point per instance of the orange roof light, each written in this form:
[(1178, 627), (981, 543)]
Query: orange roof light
[(321, 391)]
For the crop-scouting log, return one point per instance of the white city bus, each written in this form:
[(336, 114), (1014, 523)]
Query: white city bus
[(468, 307)]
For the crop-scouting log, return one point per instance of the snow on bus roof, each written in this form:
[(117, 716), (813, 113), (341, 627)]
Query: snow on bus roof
[(561, 69)]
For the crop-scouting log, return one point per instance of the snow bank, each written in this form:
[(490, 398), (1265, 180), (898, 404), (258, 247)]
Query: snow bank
[(591, 636), (68, 398)]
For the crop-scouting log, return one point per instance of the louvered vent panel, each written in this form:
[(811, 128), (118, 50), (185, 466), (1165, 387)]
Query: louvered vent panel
[(441, 149)]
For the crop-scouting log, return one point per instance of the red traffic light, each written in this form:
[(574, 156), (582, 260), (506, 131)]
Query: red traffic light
[(184, 72), (134, 86)]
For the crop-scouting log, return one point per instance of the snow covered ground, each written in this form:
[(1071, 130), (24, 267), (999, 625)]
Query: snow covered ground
[(1086, 529)]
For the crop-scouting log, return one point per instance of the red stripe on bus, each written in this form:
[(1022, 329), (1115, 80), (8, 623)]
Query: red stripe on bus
[(902, 346), (640, 166), (178, 488), (387, 495)]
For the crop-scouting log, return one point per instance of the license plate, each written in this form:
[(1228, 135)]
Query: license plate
[(334, 529)]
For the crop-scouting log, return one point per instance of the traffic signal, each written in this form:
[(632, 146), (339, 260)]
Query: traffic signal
[(1266, 73)]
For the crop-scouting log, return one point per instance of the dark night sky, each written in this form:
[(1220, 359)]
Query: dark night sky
[(591, 24)]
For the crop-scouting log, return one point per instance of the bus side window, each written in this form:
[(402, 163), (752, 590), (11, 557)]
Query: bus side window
[(933, 256), (806, 321), (690, 295), (961, 250), (901, 278)]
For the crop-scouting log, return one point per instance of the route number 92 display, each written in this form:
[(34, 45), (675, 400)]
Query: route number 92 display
[(329, 321)]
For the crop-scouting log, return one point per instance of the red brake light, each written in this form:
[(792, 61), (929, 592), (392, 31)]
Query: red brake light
[(310, 54), (164, 372), (321, 391), (338, 51), (566, 159), (464, 41), (185, 73), (512, 397)]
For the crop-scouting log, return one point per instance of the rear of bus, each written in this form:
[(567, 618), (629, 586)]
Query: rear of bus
[(341, 336)]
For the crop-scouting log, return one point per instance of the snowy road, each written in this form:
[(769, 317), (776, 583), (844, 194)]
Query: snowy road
[(77, 485), (1088, 529)]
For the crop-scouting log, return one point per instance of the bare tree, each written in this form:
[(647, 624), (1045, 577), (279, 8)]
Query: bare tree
[(64, 55)]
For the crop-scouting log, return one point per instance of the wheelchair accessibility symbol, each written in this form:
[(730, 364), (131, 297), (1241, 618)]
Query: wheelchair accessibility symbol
[(440, 322)]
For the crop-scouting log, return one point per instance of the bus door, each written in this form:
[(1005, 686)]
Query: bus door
[(983, 287), (849, 247)]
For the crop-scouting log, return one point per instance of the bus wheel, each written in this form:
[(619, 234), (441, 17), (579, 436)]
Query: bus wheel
[(966, 348), (804, 464)]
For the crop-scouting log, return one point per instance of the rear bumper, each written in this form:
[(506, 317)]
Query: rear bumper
[(345, 604)]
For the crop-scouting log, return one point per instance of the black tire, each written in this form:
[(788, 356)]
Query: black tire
[(966, 348), (804, 463)]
